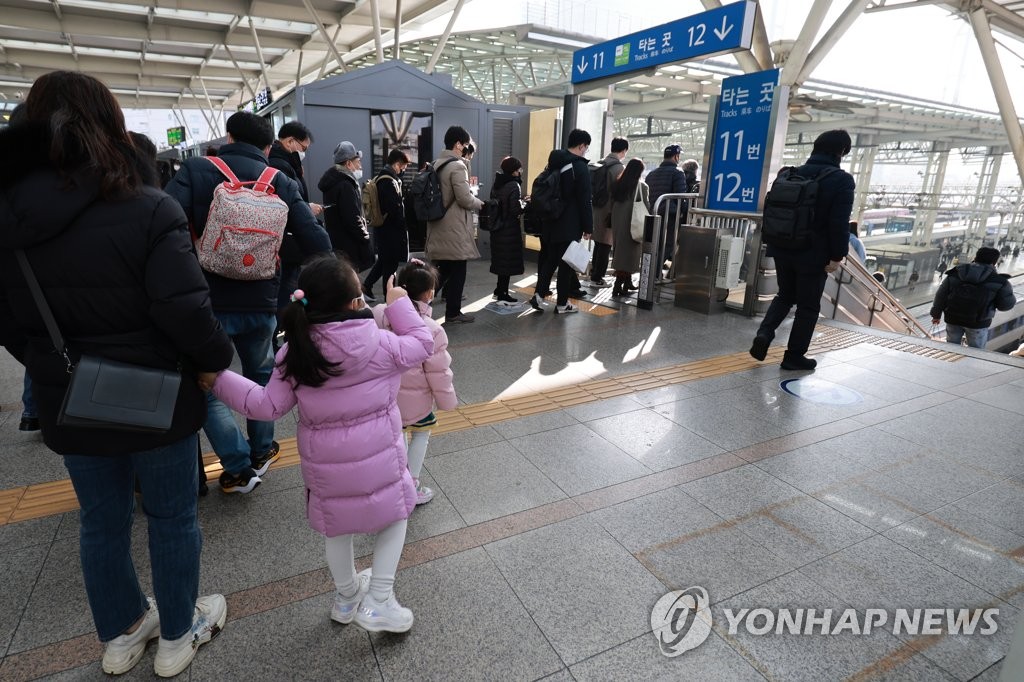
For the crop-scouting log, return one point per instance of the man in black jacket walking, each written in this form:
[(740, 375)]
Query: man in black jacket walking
[(576, 220), (246, 309), (801, 273), (969, 297)]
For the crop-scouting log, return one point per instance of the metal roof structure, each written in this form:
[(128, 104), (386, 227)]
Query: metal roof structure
[(197, 53), (216, 54)]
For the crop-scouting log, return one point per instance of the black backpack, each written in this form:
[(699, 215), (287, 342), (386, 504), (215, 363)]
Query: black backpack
[(546, 202), (599, 184), (967, 303), (425, 191), (788, 218)]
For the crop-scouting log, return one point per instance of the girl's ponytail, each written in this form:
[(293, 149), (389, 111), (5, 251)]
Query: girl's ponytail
[(327, 285)]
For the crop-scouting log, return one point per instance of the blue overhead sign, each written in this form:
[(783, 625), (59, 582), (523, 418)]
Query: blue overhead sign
[(741, 145), (725, 29)]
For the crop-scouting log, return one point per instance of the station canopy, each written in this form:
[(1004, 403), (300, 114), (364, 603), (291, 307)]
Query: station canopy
[(219, 54)]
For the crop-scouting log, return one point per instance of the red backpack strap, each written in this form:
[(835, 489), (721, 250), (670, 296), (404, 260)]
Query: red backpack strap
[(264, 180), (223, 168)]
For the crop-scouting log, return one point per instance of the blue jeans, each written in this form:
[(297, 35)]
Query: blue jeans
[(252, 334), (976, 338), (28, 403), (105, 490)]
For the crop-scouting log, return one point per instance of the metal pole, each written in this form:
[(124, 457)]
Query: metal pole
[(378, 41), (323, 34), (259, 54), (798, 56), (443, 40), (327, 57), (831, 37), (213, 114), (298, 71), (398, 28), (983, 33), (202, 111), (570, 111), (245, 79)]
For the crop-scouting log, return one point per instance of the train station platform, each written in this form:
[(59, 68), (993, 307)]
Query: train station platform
[(597, 462)]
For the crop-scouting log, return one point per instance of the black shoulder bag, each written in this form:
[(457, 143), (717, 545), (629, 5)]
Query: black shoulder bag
[(107, 394)]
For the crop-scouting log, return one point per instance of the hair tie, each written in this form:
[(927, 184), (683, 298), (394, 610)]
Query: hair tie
[(298, 296)]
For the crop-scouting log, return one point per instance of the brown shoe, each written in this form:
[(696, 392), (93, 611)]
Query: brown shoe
[(461, 318)]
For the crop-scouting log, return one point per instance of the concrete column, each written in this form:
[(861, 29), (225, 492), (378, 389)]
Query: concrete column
[(987, 182)]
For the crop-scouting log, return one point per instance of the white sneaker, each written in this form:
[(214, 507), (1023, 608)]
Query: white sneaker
[(566, 309), (344, 609), (387, 616), (122, 653), (175, 655), (423, 493)]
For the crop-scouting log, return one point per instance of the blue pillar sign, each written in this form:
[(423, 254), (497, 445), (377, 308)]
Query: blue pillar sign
[(725, 29), (743, 133)]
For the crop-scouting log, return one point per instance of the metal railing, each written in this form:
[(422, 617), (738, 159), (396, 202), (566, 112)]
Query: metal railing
[(676, 206), (852, 295)]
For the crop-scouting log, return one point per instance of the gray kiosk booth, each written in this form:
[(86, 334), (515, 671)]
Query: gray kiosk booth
[(393, 105)]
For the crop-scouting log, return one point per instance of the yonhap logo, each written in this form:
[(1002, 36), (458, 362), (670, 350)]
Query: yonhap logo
[(681, 620)]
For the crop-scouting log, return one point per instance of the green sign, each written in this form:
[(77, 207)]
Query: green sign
[(175, 136)]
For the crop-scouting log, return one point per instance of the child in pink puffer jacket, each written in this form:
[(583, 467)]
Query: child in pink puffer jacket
[(344, 373), (427, 384)]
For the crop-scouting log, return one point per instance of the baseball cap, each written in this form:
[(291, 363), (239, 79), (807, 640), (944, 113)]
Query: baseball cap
[(346, 151), (673, 149)]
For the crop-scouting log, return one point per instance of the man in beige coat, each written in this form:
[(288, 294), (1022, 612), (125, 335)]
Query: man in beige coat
[(450, 240)]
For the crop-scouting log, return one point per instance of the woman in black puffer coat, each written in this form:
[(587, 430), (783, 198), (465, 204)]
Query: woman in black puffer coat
[(507, 237), (115, 262)]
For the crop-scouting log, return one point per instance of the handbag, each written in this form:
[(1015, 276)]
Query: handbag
[(577, 256), (104, 393), (636, 221)]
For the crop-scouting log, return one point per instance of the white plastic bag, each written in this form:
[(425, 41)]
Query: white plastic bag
[(577, 256), (636, 223)]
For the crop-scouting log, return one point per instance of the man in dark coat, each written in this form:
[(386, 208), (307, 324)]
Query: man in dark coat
[(969, 309), (246, 309), (576, 221), (390, 237), (343, 210), (801, 273), (667, 178), (286, 155)]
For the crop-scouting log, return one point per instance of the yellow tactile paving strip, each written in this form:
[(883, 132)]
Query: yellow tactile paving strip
[(58, 497)]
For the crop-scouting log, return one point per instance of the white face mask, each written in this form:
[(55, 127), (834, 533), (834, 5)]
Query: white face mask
[(302, 155), (357, 173)]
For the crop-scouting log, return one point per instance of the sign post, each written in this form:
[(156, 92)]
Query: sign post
[(744, 125), (725, 29)]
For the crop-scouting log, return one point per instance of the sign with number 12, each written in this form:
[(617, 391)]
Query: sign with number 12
[(741, 142)]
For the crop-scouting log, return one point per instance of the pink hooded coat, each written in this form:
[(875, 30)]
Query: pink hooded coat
[(351, 448), (430, 382)]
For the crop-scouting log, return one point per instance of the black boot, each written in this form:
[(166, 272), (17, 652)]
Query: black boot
[(798, 362)]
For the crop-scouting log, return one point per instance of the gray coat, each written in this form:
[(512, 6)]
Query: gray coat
[(602, 214), (452, 237), (626, 257)]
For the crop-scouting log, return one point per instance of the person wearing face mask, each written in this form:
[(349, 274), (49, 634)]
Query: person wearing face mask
[(507, 237), (391, 238), (343, 199), (286, 155)]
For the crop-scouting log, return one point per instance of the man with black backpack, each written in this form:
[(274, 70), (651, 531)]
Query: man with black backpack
[(805, 223), (572, 218), (602, 177), (969, 297)]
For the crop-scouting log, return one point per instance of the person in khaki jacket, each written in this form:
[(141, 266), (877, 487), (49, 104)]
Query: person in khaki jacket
[(450, 240)]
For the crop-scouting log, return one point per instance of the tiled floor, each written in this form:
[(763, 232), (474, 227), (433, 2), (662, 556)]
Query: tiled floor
[(553, 535)]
